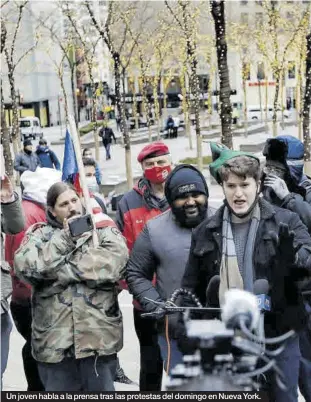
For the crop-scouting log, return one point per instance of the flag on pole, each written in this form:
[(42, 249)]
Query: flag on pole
[(70, 165)]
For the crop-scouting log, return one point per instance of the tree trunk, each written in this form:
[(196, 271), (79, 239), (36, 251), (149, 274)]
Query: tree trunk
[(186, 108), (5, 136), (298, 97), (93, 111), (282, 96), (156, 105), (266, 102), (74, 95), (121, 111), (145, 101), (15, 124), (275, 104), (194, 84), (245, 107), (135, 112), (260, 101), (218, 13), (306, 110), (62, 85)]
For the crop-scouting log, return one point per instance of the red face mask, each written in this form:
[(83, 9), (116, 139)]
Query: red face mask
[(157, 174)]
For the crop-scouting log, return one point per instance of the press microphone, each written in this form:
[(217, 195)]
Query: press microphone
[(240, 304), (212, 292), (261, 290)]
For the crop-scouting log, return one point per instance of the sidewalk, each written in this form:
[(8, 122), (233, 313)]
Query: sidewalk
[(114, 169)]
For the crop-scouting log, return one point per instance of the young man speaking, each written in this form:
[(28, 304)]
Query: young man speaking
[(249, 239)]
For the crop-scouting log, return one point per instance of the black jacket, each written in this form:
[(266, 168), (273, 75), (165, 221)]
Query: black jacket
[(287, 310), (107, 134)]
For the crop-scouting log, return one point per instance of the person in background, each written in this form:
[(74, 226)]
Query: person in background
[(98, 204), (248, 239), (285, 185), (12, 222), (87, 153), (107, 135), (162, 250), (169, 126), (26, 159), (176, 126), (36, 185), (77, 323), (47, 157), (145, 201)]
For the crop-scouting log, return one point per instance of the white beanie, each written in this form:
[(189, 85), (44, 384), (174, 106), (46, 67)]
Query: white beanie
[(36, 184)]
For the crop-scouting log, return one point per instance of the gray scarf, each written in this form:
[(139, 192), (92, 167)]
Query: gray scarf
[(230, 276)]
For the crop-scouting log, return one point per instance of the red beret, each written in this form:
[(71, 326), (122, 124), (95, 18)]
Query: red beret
[(152, 150)]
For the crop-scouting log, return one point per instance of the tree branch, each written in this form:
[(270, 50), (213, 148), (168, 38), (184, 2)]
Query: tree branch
[(20, 13), (174, 15)]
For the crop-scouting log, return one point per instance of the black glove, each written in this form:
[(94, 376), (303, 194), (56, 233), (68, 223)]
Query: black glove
[(284, 243)]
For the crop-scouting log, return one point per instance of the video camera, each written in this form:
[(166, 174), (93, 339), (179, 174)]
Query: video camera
[(226, 354)]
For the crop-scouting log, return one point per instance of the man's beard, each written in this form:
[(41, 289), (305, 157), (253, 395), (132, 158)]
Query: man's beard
[(189, 221)]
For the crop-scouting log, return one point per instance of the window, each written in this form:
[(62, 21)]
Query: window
[(243, 2), (24, 123), (259, 2), (260, 71), (259, 19), (291, 70), (244, 18)]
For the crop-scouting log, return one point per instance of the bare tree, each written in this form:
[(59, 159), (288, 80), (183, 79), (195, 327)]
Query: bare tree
[(276, 37), (218, 13), (306, 110), (68, 45), (187, 21), (116, 46), (144, 57), (89, 44), (12, 61), (5, 134)]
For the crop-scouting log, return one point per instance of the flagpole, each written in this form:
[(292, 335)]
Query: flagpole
[(86, 194)]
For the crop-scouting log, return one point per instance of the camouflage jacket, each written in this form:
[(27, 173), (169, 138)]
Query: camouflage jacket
[(74, 300)]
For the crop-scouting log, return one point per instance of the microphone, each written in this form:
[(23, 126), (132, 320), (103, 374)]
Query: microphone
[(212, 291), (240, 304), (261, 289)]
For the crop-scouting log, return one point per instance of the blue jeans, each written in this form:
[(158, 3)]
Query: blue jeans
[(91, 374), (6, 328), (305, 364), (107, 148), (176, 355), (288, 362)]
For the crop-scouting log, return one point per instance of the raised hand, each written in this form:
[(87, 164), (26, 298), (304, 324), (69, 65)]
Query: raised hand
[(278, 185), (6, 190)]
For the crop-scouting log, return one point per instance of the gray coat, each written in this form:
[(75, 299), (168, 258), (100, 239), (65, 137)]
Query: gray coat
[(12, 222), (25, 162), (162, 248)]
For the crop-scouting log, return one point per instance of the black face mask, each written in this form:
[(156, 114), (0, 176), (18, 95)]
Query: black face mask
[(27, 151), (189, 222)]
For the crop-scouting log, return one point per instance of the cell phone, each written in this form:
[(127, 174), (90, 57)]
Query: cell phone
[(80, 225)]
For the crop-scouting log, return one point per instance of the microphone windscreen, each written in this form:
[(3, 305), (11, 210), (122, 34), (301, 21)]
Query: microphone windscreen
[(239, 302), (261, 287)]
